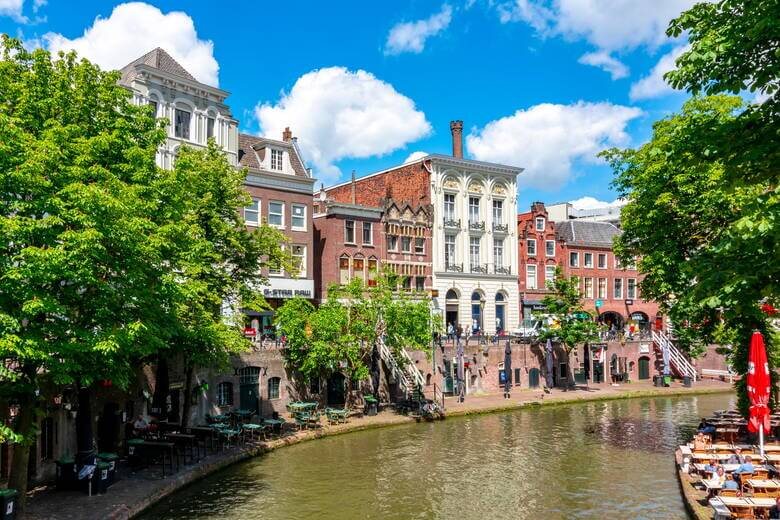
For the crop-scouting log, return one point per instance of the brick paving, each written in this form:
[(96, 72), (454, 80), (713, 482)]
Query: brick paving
[(137, 491)]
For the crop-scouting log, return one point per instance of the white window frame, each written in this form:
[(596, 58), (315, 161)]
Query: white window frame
[(549, 274), (406, 240), (531, 250), (394, 240), (531, 276), (421, 241), (547, 250), (255, 208), (277, 160), (367, 226), (498, 252), (617, 295), (498, 216), (574, 259), (449, 249), (585, 263), (176, 126), (474, 210), (450, 208), (602, 294), (539, 223), (302, 266), (631, 292), (598, 260), (474, 251), (275, 272), (346, 234), (293, 217), (271, 213), (586, 284)]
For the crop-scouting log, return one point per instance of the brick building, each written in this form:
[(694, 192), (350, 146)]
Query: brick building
[(539, 253)]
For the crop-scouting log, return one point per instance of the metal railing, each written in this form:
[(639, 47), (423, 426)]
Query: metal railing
[(454, 268), (477, 226), (500, 269), (501, 228), (479, 269), (676, 358), (451, 223)]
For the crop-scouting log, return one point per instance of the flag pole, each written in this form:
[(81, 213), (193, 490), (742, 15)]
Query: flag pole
[(761, 440)]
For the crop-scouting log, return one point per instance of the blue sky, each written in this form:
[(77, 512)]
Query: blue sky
[(541, 84)]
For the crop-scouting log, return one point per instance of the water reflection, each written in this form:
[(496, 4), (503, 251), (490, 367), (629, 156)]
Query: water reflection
[(594, 460)]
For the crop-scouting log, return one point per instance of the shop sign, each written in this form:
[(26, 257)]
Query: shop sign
[(637, 316), (598, 346), (629, 302), (644, 348), (286, 293), (250, 331), (599, 303)]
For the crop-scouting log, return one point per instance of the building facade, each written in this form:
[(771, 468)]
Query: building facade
[(540, 252)]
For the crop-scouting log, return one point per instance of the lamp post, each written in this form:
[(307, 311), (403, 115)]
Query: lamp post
[(482, 315)]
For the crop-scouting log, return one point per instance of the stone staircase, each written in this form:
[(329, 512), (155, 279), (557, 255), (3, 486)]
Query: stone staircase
[(679, 363), (410, 380)]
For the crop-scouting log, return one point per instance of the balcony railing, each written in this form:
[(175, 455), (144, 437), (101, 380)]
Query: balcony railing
[(500, 269), (477, 226), (451, 223), (501, 228), (479, 269), (454, 268)]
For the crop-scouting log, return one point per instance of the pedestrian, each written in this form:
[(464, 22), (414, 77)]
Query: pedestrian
[(460, 331), (451, 332)]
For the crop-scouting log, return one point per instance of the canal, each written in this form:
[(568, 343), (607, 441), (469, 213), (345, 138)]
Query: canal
[(611, 459)]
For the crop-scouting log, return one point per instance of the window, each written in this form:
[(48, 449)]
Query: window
[(530, 276), (273, 388), (530, 244), (449, 206), (473, 210), (588, 260), (631, 288), (210, 127), (540, 223), (449, 250), (563, 371), (225, 394), (419, 283), (274, 268), (632, 265), (617, 292), (299, 259), (618, 264), (299, 216), (549, 273), (589, 288), (349, 231), (367, 236), (518, 373), (498, 212), (419, 246), (474, 251), (276, 160), (574, 259), (357, 268), (549, 247), (181, 126), (392, 243), (406, 244), (344, 270), (153, 104), (252, 213), (602, 288), (276, 214), (498, 252), (372, 269), (602, 261)]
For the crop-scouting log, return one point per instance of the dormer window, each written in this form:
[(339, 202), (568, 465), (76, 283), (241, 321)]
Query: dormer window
[(182, 124), (276, 160), (540, 223)]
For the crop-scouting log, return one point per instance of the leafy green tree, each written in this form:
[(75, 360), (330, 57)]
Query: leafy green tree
[(85, 248), (568, 323), (343, 334)]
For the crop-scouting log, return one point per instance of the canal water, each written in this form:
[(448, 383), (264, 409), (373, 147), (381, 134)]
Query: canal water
[(603, 460)]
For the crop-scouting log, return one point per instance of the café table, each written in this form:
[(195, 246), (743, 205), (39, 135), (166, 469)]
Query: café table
[(186, 442), (771, 487), (166, 449), (209, 435), (275, 424)]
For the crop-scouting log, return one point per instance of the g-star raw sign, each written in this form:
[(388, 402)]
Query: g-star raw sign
[(286, 293)]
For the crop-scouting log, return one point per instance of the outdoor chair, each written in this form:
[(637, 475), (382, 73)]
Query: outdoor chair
[(761, 474), (729, 493)]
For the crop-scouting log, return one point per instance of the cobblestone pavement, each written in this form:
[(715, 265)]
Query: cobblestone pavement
[(136, 491)]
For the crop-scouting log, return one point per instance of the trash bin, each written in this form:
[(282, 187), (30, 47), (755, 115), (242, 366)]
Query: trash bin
[(371, 405), (67, 478), (687, 381), (100, 478), (657, 381), (8, 503), (135, 452), (667, 380), (113, 460)]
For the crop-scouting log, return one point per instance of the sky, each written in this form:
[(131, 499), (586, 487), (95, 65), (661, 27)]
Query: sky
[(540, 84)]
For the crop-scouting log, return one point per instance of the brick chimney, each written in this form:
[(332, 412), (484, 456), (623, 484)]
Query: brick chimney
[(287, 135), (456, 127)]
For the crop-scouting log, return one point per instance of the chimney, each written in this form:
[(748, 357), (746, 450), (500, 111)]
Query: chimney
[(287, 135), (354, 195), (456, 127)]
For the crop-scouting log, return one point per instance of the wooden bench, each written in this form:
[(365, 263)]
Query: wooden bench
[(723, 375)]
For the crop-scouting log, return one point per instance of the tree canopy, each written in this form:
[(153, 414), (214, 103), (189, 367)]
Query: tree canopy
[(569, 323)]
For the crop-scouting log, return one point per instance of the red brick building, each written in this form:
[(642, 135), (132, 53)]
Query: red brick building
[(539, 253)]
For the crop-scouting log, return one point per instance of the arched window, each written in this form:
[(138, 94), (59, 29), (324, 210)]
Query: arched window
[(211, 122), (154, 103), (452, 295), (358, 267), (273, 388), (500, 313), (499, 297), (344, 269), (225, 394)]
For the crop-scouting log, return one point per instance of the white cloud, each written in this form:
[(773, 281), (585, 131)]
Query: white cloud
[(548, 139), (605, 62), (654, 85), (134, 29), (588, 202), (338, 114), (414, 156), (411, 36), (13, 9)]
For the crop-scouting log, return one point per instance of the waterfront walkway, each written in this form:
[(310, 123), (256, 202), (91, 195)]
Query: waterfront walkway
[(135, 492)]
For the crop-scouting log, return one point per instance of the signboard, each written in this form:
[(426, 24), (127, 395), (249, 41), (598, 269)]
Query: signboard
[(629, 302), (289, 288), (598, 346), (599, 303), (638, 316), (250, 331), (644, 348), (287, 293)]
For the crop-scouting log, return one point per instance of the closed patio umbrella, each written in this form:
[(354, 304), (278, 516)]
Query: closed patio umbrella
[(461, 386), (549, 358), (507, 369), (758, 382)]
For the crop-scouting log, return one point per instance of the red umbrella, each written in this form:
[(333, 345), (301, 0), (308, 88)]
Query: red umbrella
[(758, 382)]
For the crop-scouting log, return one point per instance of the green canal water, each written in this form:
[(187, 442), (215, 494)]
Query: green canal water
[(603, 460)]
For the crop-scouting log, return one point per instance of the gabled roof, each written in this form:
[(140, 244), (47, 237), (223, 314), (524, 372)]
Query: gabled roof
[(159, 59), (586, 233), (251, 151)]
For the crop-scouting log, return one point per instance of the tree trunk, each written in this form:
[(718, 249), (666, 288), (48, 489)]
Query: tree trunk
[(85, 441), (161, 389), (187, 405), (375, 371), (17, 480)]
